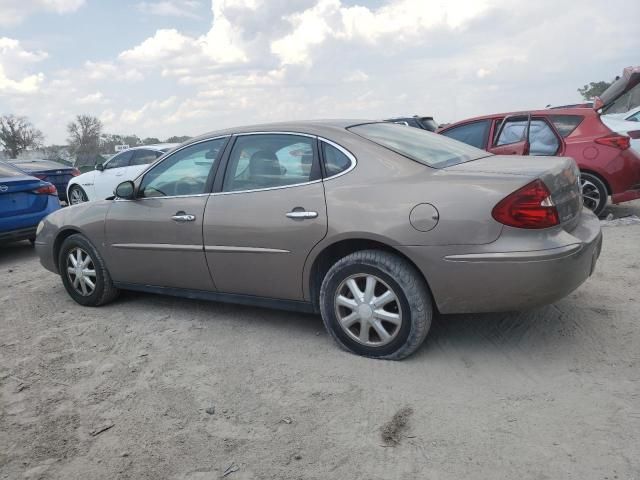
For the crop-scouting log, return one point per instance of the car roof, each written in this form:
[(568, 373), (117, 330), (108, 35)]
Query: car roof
[(583, 111), (155, 146), (309, 127)]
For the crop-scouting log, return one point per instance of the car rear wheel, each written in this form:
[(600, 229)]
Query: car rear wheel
[(84, 273), (594, 192), (77, 195), (376, 304)]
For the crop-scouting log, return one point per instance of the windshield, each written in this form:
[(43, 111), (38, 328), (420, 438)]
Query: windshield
[(428, 148)]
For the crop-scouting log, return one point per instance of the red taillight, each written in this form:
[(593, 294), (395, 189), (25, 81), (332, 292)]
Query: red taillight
[(615, 140), (46, 190), (529, 207), (634, 134), (75, 172)]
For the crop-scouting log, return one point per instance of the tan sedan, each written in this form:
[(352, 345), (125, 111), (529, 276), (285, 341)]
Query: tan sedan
[(374, 225)]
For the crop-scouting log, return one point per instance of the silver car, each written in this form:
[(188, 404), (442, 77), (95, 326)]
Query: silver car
[(374, 225)]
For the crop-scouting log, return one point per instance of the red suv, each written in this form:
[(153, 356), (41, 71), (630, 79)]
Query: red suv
[(609, 167)]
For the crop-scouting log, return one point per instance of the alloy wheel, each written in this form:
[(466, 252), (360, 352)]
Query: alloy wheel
[(590, 194), (77, 196), (368, 310), (81, 271)]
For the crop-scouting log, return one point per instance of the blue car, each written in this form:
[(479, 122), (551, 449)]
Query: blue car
[(24, 201), (52, 172)]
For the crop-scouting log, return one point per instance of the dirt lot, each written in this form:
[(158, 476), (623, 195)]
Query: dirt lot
[(154, 387)]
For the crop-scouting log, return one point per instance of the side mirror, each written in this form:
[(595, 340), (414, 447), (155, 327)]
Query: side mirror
[(99, 167), (125, 190)]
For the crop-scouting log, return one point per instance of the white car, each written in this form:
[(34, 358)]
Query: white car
[(627, 123), (99, 184)]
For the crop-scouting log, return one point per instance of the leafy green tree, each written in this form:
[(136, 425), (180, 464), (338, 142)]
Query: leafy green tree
[(176, 139), (18, 134), (593, 89)]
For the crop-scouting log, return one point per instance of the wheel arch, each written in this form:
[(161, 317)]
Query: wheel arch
[(319, 262), (601, 177), (57, 243)]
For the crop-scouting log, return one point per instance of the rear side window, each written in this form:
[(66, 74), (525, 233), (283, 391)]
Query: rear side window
[(474, 134), (565, 124), (143, 157), (542, 140), (270, 160), (335, 161), (428, 148), (8, 171)]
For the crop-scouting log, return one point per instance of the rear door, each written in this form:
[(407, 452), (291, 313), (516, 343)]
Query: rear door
[(512, 137), (267, 214), (156, 239)]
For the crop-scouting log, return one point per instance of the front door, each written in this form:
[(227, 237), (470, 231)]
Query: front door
[(268, 215), (107, 179), (156, 239)]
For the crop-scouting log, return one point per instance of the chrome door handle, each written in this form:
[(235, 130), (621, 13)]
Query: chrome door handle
[(183, 217), (301, 215)]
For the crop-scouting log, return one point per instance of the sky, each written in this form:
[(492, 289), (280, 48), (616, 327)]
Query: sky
[(158, 68)]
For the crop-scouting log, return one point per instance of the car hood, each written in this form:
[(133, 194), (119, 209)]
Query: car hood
[(629, 79)]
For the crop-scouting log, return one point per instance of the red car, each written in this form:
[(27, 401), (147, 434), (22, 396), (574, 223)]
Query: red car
[(608, 166)]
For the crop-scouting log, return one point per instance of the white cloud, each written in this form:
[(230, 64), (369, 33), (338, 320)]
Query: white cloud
[(14, 64), (401, 20), (146, 112), (170, 8), (15, 11), (96, 98), (483, 72)]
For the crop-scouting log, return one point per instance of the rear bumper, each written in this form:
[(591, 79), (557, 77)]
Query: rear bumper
[(489, 280), (19, 234)]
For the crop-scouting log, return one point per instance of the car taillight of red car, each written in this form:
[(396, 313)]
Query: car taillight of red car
[(615, 140)]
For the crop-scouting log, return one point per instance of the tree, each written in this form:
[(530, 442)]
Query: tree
[(175, 139), (594, 89), (84, 135), (150, 141), (18, 134)]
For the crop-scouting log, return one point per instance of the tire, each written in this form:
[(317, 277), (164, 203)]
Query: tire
[(32, 241), (77, 195), (594, 192), (103, 290), (390, 272)]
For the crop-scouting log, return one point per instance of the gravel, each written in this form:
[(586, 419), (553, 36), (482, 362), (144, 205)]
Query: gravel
[(550, 393)]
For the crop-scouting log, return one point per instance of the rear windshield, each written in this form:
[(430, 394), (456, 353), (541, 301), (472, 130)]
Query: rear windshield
[(565, 124), (9, 171), (431, 149), (40, 165)]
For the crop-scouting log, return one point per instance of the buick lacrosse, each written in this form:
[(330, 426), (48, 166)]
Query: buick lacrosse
[(373, 225)]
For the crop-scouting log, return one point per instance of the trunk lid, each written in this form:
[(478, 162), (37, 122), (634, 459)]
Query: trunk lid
[(17, 196), (560, 174), (629, 79)]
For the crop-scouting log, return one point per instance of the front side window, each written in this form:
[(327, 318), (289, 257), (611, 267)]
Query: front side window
[(513, 131), (143, 157), (270, 160), (474, 134), (335, 161), (428, 148), (184, 173), (120, 160)]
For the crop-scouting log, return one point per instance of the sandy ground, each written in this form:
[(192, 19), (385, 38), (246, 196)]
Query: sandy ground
[(122, 391)]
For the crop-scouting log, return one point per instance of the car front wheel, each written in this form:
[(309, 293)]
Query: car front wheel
[(376, 304), (83, 272), (77, 195)]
